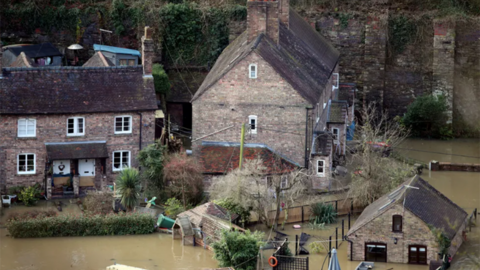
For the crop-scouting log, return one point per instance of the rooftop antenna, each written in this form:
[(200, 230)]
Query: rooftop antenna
[(106, 31)]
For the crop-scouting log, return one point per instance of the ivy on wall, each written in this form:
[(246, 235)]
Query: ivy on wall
[(401, 31)]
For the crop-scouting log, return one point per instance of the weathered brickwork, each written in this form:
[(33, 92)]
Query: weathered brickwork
[(280, 110), (414, 232), (52, 128)]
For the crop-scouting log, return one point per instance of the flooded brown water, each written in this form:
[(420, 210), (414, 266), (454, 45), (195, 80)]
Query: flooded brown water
[(159, 251)]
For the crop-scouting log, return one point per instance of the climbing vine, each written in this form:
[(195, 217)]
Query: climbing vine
[(401, 31)]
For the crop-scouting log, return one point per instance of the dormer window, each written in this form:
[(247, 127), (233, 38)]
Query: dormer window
[(252, 121), (336, 133), (397, 223), (321, 168), (252, 71)]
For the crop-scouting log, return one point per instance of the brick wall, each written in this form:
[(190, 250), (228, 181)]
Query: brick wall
[(52, 128), (280, 110), (379, 230)]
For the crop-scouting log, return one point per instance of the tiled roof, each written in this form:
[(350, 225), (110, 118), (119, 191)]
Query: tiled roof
[(37, 50), (209, 208), (58, 90), (98, 60), (337, 112), (427, 203), (22, 61), (220, 158), (303, 58), (76, 150)]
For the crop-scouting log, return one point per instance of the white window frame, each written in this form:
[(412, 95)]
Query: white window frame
[(75, 126), (336, 139), (123, 123), (250, 71), (250, 118), (283, 179), (335, 82), (122, 152), (323, 166), (26, 135), (26, 163)]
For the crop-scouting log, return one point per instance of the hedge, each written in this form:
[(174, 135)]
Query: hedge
[(71, 225)]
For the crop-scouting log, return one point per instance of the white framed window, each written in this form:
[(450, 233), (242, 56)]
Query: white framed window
[(336, 134), (75, 126), (26, 163), (121, 160), (27, 127), (123, 124), (252, 71), (321, 168), (284, 183), (252, 121), (335, 81)]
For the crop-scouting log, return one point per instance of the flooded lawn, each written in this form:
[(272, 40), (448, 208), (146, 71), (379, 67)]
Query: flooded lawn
[(153, 251)]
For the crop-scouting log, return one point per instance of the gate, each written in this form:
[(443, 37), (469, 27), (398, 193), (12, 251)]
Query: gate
[(291, 263)]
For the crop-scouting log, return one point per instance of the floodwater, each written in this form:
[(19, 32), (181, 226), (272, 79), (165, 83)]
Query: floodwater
[(153, 251), (159, 251)]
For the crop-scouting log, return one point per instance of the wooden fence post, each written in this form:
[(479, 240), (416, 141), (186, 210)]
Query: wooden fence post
[(296, 244), (329, 246), (475, 213), (336, 206), (348, 221), (343, 229), (351, 206), (302, 213), (336, 237)]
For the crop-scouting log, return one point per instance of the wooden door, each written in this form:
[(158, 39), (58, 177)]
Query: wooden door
[(417, 254)]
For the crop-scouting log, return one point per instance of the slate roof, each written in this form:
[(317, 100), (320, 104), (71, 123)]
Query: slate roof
[(427, 203), (98, 60), (112, 49), (37, 50), (59, 90), (322, 143), (336, 112), (76, 150), (22, 61), (195, 215), (220, 158), (303, 58)]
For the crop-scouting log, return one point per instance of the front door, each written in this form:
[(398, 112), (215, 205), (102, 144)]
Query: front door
[(417, 254), (86, 167), (375, 252)]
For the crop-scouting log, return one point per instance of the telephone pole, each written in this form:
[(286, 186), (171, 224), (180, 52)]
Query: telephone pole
[(242, 141)]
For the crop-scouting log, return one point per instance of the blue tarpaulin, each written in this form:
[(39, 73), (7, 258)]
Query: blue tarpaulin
[(350, 131)]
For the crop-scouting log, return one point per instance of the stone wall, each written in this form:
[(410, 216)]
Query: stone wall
[(52, 128), (379, 230)]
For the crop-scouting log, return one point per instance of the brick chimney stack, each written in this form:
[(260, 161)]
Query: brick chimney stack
[(263, 17), (284, 11), (147, 52)]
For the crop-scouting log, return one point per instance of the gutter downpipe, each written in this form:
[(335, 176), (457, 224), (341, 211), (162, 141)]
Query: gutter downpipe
[(306, 136), (140, 139), (351, 247)]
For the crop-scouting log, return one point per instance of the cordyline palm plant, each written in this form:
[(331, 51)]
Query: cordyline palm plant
[(128, 186)]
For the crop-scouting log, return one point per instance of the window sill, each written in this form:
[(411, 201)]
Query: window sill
[(26, 138), (123, 134), (75, 136), (27, 174)]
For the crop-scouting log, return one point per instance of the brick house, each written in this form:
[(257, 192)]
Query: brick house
[(397, 227), (280, 77), (74, 126)]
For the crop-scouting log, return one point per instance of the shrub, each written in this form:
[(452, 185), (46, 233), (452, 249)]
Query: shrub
[(235, 208), (174, 207), (98, 203), (30, 195), (31, 214), (151, 160), (160, 80), (237, 249), (128, 185), (426, 117), (71, 225), (323, 213)]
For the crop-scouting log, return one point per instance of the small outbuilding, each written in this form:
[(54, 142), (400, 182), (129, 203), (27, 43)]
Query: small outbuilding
[(44, 54), (182, 229), (402, 226), (118, 56)]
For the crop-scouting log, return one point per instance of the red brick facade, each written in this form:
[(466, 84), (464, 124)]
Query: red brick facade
[(52, 129)]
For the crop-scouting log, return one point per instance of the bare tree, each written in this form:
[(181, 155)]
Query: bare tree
[(374, 173), (252, 189)]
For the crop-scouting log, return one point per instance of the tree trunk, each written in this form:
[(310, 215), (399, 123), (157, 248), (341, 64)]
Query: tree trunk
[(277, 212)]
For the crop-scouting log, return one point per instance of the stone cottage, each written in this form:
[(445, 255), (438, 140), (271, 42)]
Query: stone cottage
[(279, 77), (74, 128), (398, 227)]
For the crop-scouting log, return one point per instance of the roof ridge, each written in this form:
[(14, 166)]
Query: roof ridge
[(66, 69)]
